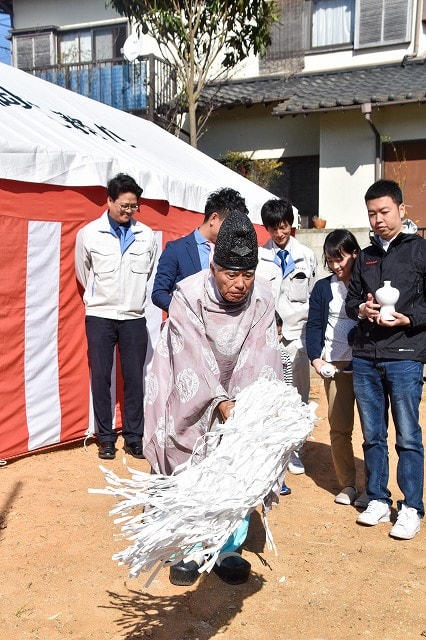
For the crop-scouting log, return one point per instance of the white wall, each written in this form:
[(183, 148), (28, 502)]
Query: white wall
[(31, 13), (255, 131), (347, 157)]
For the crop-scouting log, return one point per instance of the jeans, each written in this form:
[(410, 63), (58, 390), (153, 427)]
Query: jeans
[(132, 338), (397, 384)]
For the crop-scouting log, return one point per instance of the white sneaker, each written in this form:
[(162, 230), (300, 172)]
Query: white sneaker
[(346, 496), (377, 511), (295, 465), (407, 524), (362, 500)]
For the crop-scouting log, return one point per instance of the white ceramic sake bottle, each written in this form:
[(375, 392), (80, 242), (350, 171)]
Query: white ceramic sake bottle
[(387, 296)]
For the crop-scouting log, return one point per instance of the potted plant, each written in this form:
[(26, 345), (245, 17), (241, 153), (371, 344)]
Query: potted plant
[(261, 172), (319, 223)]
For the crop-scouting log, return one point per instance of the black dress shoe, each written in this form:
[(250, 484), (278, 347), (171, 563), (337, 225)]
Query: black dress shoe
[(233, 569), (183, 574), (106, 450), (134, 449)]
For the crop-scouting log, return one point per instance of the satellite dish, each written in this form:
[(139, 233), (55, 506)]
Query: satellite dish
[(132, 48)]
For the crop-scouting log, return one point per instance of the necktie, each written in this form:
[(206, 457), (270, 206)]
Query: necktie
[(211, 249), (287, 262), (126, 237)]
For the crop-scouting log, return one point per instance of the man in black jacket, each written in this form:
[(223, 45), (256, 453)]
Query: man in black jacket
[(389, 356)]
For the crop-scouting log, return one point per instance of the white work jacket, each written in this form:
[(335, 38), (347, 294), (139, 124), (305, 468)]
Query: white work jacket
[(114, 284), (292, 292)]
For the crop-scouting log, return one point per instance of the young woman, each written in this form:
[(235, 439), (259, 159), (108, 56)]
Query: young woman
[(328, 333)]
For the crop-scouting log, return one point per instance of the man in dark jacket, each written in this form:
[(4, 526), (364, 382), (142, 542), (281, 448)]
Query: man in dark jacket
[(389, 356), (188, 255)]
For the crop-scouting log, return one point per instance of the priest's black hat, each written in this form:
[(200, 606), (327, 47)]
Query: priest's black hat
[(236, 243)]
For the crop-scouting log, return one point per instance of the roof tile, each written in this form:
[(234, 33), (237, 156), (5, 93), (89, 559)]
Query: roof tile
[(307, 92)]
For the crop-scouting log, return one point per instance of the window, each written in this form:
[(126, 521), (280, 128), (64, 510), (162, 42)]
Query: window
[(312, 26), (286, 51), (75, 46), (382, 22), (109, 42), (92, 45), (38, 50), (332, 22), (34, 50)]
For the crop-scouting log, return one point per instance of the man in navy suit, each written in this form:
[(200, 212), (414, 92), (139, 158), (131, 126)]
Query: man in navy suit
[(190, 254)]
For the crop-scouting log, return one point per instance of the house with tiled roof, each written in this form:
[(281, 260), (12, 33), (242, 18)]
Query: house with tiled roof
[(88, 47), (339, 98)]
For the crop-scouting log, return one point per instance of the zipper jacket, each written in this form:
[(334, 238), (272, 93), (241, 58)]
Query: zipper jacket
[(292, 292), (115, 284), (404, 264)]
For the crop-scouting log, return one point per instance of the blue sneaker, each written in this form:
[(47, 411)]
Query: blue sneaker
[(285, 490)]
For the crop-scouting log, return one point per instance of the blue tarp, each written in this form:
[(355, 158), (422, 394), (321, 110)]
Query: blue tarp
[(122, 86)]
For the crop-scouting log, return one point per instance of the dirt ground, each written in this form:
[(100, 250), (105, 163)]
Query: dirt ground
[(331, 579)]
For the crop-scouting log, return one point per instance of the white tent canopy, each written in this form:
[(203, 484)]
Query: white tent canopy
[(57, 152), (54, 136)]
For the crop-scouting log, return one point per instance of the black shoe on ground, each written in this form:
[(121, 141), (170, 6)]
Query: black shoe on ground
[(233, 569), (134, 449), (183, 574), (106, 450)]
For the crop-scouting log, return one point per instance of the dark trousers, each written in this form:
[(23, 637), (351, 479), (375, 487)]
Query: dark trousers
[(131, 337)]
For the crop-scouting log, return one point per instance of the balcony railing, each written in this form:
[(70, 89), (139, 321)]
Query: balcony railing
[(144, 87)]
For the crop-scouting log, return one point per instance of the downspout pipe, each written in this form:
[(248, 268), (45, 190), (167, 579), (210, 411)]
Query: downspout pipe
[(366, 110), (417, 28)]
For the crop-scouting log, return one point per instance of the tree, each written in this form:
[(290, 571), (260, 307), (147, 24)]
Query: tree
[(203, 39)]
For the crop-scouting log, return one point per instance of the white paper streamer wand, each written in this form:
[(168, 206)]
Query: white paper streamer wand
[(192, 514)]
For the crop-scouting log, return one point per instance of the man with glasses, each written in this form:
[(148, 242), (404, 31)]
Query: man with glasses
[(114, 257)]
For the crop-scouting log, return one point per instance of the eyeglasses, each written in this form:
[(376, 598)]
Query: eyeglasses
[(127, 207)]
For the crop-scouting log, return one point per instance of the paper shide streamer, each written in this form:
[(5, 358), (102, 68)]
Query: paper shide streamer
[(234, 468)]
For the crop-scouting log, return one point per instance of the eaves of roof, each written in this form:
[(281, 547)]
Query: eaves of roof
[(6, 6), (305, 93)]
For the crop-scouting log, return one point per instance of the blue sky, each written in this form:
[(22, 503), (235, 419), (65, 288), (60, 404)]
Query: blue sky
[(4, 44)]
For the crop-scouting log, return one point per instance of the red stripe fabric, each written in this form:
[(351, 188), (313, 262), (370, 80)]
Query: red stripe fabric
[(13, 422), (73, 207)]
